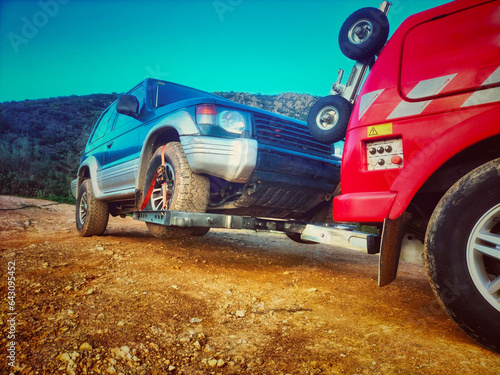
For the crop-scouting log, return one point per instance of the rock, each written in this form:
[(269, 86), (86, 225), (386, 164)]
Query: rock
[(45, 265), (259, 361), (110, 370), (174, 286), (107, 252), (64, 357), (240, 313), (125, 349), (212, 363), (171, 368), (220, 363), (85, 346), (196, 320), (120, 323), (111, 361), (312, 290), (197, 345)]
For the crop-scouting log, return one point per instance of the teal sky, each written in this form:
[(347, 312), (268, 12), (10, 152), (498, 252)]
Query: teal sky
[(54, 48)]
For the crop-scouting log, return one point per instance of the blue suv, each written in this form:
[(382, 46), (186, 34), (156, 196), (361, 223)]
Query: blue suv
[(164, 146)]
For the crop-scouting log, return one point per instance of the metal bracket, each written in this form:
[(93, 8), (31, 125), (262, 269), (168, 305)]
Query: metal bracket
[(337, 235), (350, 90)]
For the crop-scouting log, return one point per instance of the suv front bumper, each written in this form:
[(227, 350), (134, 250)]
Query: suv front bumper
[(233, 160)]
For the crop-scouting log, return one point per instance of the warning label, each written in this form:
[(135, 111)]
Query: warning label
[(377, 130)]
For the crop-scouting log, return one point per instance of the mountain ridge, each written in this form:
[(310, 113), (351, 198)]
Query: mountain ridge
[(41, 140)]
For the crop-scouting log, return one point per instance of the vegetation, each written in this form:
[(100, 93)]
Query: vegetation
[(41, 141)]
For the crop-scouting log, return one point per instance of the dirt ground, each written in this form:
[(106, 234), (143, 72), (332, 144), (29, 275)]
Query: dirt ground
[(230, 302)]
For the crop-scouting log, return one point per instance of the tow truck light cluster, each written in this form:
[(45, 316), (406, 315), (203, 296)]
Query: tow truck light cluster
[(384, 154)]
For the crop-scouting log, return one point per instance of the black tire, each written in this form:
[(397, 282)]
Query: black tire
[(91, 214), (464, 226), (200, 231), (188, 191), (372, 28), (328, 119)]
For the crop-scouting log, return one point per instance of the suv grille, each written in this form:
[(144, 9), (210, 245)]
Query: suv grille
[(274, 131)]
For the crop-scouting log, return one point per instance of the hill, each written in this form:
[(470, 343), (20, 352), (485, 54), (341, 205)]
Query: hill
[(41, 141)]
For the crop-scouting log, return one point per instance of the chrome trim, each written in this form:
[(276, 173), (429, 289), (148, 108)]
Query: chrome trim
[(233, 160)]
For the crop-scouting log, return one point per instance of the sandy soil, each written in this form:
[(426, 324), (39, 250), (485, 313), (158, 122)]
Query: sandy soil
[(230, 302)]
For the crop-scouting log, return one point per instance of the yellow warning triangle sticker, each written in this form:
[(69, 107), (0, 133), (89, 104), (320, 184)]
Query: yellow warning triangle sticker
[(377, 130)]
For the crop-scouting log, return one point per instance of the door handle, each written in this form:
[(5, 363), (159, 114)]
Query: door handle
[(109, 144)]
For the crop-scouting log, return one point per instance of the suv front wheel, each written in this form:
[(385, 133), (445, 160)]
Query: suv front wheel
[(185, 190)]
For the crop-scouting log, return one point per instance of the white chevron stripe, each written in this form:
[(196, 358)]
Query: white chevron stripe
[(423, 89), (367, 100), (488, 95)]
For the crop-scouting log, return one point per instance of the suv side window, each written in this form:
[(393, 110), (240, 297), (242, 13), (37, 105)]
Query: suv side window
[(101, 127), (123, 119)]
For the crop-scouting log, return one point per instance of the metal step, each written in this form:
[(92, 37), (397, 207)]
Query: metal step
[(330, 234)]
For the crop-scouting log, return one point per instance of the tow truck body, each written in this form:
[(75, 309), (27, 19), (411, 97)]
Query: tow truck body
[(422, 120)]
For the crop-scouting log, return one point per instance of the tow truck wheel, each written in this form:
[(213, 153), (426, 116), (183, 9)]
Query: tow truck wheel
[(91, 214), (363, 34), (185, 190), (328, 119), (463, 254)]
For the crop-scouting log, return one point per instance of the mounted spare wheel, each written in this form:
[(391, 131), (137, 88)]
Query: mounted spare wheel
[(363, 34), (462, 248), (185, 190), (328, 119)]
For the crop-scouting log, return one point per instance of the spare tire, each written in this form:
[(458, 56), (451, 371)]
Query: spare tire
[(328, 119), (363, 34)]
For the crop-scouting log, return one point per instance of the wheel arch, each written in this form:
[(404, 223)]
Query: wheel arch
[(456, 167), (157, 138), (88, 170)]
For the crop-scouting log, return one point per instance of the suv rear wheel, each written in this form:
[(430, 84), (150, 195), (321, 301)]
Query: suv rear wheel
[(186, 190), (91, 214)]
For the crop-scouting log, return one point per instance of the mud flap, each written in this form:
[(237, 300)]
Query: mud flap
[(390, 249)]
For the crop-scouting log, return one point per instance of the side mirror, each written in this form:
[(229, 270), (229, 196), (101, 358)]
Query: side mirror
[(128, 105)]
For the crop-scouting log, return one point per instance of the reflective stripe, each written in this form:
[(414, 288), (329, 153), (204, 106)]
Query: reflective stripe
[(367, 100), (423, 89), (432, 87), (488, 95)]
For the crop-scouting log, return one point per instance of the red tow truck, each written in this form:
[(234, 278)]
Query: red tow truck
[(420, 116), (422, 148)]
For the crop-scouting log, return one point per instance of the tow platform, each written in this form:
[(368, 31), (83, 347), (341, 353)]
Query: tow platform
[(330, 234)]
